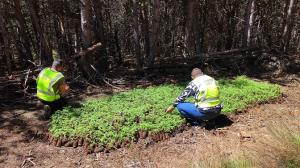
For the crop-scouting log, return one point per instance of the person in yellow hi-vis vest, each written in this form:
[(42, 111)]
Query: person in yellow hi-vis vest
[(207, 105), (51, 88)]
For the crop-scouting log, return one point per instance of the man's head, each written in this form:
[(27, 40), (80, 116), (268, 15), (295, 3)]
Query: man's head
[(196, 72), (57, 65)]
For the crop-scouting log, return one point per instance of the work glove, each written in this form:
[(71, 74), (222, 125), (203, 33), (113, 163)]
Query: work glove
[(170, 109)]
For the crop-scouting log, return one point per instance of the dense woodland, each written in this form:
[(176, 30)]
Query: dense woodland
[(112, 46), (98, 35)]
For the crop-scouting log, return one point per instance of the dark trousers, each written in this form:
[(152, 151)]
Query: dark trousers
[(55, 105)]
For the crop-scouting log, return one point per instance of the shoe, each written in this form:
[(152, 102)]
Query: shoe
[(47, 112), (211, 124), (197, 123)]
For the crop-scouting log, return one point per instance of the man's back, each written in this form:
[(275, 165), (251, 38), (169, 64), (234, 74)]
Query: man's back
[(48, 83)]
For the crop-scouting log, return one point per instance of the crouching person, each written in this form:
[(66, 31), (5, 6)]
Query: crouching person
[(207, 105), (51, 88)]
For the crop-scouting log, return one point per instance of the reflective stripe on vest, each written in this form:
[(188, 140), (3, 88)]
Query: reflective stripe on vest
[(46, 80), (208, 95), (54, 80), (46, 93)]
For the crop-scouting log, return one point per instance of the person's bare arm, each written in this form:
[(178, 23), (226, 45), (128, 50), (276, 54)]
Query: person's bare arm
[(61, 87)]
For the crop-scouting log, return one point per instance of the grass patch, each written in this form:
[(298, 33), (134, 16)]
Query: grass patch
[(236, 163), (280, 148), (221, 161), (119, 117)]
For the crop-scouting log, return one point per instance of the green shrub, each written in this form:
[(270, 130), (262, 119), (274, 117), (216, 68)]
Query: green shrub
[(239, 93), (120, 116)]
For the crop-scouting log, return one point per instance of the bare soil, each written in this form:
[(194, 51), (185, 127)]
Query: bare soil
[(22, 143)]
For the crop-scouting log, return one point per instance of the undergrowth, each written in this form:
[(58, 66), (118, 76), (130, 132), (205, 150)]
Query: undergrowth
[(119, 117), (280, 148)]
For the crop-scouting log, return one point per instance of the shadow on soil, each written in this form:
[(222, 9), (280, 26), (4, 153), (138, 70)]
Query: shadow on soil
[(220, 122)]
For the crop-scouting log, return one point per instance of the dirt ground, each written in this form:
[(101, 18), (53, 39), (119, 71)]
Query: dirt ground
[(22, 146)]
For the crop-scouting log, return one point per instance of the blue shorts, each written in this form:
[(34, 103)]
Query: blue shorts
[(191, 112)]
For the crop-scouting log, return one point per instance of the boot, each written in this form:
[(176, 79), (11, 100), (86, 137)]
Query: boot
[(47, 112)]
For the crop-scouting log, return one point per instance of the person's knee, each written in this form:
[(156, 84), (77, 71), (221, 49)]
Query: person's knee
[(182, 107), (179, 107)]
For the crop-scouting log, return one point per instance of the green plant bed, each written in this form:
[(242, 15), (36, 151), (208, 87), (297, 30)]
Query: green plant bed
[(121, 117)]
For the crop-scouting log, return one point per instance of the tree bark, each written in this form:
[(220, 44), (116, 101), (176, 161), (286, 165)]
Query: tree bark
[(248, 22), (154, 48), (90, 62), (61, 37), (145, 29), (5, 43), (99, 27), (87, 23), (298, 48), (45, 49), (136, 35), (23, 32), (189, 6), (60, 29), (199, 29), (118, 48), (289, 21), (87, 36)]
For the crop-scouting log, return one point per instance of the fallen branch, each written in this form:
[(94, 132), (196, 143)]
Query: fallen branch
[(225, 54), (2, 87), (103, 79), (234, 51), (29, 160), (25, 82), (89, 50)]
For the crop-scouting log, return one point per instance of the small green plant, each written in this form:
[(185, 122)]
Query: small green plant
[(236, 163), (118, 118), (294, 161), (238, 94)]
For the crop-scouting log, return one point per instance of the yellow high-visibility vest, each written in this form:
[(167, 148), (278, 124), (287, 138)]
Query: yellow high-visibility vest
[(208, 95), (45, 82)]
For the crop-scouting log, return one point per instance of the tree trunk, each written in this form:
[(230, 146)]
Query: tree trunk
[(5, 43), (60, 19), (89, 64), (99, 27), (118, 48), (298, 48), (145, 29), (248, 22), (23, 32), (87, 23), (136, 35), (199, 29), (61, 37), (231, 24), (154, 48), (87, 36), (77, 38), (289, 21), (189, 6), (45, 49)]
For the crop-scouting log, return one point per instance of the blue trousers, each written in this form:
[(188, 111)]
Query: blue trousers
[(192, 113)]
